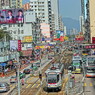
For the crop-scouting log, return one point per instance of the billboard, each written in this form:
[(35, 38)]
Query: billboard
[(27, 39), (15, 45), (10, 16), (45, 30)]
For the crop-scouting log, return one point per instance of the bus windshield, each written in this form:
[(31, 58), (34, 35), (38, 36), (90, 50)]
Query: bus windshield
[(76, 63), (90, 69)]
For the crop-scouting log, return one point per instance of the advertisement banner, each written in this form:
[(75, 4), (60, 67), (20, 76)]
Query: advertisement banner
[(27, 39), (8, 16), (13, 45), (19, 45), (45, 30)]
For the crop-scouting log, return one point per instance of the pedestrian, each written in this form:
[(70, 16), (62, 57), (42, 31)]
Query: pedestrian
[(22, 81)]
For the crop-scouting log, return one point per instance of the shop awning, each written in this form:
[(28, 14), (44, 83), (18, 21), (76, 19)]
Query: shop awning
[(3, 64)]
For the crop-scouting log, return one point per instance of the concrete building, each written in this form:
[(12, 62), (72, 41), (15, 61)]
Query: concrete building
[(40, 7), (61, 26), (65, 31), (15, 3), (87, 22), (92, 18), (26, 6), (4, 4), (55, 9), (27, 32)]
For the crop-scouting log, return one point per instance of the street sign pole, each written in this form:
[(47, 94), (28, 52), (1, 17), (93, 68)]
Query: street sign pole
[(18, 74)]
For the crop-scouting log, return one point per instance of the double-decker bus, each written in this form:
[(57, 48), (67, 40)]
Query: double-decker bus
[(77, 63), (90, 66), (90, 71), (85, 52)]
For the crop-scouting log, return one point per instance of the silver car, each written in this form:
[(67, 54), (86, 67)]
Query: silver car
[(4, 87)]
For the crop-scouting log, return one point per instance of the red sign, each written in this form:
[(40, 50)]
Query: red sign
[(90, 47), (61, 38), (19, 45), (93, 40)]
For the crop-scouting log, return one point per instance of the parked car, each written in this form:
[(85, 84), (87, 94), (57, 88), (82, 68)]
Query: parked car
[(38, 64), (49, 57), (4, 87), (22, 75), (26, 71), (34, 66), (13, 79)]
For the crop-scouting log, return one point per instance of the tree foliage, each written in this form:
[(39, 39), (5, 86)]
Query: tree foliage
[(4, 35)]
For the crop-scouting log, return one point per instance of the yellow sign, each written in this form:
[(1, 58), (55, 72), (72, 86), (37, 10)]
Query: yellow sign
[(66, 38), (27, 39)]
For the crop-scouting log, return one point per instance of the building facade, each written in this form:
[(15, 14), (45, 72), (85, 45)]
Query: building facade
[(4, 4), (92, 18), (26, 6), (15, 3), (55, 9), (40, 7), (28, 32), (61, 26)]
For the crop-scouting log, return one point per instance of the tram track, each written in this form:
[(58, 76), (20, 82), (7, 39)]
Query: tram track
[(32, 88)]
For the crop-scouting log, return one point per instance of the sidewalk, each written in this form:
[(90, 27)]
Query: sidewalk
[(13, 71)]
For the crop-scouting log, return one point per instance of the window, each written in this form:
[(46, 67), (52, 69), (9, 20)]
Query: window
[(22, 32), (14, 32), (18, 25), (21, 25), (18, 31)]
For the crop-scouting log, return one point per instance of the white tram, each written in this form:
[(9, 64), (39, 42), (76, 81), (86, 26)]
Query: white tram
[(54, 76)]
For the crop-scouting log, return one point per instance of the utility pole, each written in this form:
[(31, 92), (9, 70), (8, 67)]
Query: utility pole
[(18, 78)]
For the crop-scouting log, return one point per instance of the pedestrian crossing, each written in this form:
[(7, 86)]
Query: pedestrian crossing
[(88, 84), (12, 86)]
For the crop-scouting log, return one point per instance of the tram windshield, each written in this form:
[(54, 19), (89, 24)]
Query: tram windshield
[(53, 78)]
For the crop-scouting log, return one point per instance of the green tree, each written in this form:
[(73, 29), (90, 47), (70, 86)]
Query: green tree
[(5, 34)]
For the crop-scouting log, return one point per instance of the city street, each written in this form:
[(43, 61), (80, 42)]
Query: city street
[(89, 86)]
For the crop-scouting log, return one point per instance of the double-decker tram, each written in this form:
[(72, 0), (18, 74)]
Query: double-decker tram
[(54, 76)]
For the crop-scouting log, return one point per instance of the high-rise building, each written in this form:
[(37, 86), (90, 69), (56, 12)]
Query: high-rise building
[(26, 6), (61, 26), (55, 9), (92, 18), (4, 3), (16, 3), (41, 9)]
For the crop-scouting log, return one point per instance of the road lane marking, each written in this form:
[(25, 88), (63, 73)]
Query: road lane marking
[(33, 85), (91, 84), (28, 86), (13, 87), (22, 91), (85, 84), (38, 85)]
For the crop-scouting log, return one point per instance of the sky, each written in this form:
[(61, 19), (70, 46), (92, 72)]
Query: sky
[(68, 8)]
